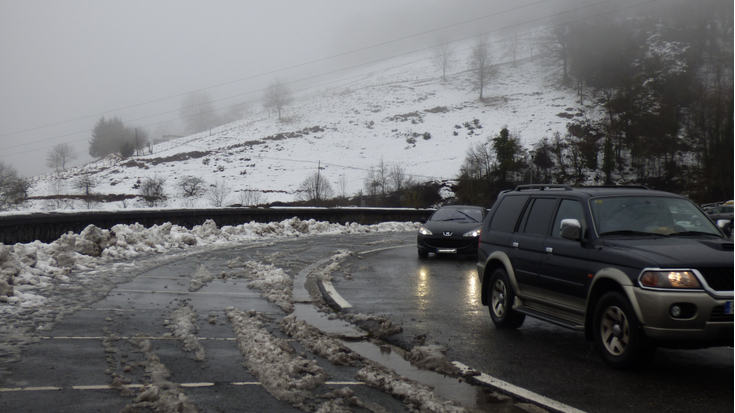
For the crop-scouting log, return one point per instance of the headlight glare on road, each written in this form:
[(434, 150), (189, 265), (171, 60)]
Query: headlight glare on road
[(669, 279), (424, 231)]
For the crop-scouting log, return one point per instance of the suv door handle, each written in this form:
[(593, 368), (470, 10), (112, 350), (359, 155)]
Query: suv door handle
[(549, 250), (515, 245)]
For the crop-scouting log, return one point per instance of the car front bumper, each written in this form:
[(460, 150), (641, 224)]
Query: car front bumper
[(706, 321), (447, 245)]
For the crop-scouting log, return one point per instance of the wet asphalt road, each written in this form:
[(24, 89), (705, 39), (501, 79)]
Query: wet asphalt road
[(71, 366), (438, 299)]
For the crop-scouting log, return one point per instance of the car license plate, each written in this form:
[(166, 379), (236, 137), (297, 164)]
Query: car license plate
[(446, 250), (728, 307)]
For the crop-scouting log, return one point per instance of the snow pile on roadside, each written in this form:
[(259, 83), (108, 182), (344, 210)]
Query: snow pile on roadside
[(433, 358), (318, 343), (30, 271), (413, 393), (286, 375), (183, 324), (274, 284)]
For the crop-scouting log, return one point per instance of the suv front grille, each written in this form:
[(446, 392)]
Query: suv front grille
[(719, 279), (718, 315)]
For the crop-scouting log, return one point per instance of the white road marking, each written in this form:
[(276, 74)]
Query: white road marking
[(131, 338), (137, 386), (519, 392), (185, 292), (329, 288), (383, 249)]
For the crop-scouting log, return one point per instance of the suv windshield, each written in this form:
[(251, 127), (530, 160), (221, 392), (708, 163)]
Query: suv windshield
[(647, 215)]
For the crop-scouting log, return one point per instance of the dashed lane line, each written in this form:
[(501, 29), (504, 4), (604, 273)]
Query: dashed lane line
[(383, 249), (186, 292), (136, 386)]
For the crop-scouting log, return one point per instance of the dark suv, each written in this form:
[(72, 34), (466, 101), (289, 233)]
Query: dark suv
[(631, 267)]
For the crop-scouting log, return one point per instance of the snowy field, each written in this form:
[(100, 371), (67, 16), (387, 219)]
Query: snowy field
[(399, 112)]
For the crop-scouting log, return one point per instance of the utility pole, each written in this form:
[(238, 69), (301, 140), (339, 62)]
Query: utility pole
[(318, 174)]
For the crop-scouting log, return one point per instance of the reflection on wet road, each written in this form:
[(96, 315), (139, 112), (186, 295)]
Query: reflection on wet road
[(437, 301)]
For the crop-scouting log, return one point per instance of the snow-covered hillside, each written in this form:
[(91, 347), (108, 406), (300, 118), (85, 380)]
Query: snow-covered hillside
[(401, 112)]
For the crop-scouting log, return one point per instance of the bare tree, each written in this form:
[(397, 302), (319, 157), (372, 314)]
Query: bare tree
[(152, 191), (277, 96), (315, 188), (192, 187), (13, 189), (198, 112), (60, 155), (377, 181), (532, 40), (442, 57), (342, 185), (400, 178), (251, 197), (218, 193), (512, 46), (556, 45), (85, 183), (481, 64)]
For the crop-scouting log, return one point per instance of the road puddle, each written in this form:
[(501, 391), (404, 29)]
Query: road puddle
[(447, 387)]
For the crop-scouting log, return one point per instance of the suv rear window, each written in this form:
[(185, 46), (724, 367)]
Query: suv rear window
[(507, 213)]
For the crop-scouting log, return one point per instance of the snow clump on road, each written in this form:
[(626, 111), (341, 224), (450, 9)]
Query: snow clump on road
[(184, 327), (286, 375), (411, 392), (30, 272), (317, 342), (274, 284)]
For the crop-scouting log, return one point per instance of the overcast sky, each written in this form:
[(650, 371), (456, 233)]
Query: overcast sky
[(65, 63)]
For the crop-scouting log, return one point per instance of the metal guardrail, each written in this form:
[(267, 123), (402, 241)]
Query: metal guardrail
[(49, 226)]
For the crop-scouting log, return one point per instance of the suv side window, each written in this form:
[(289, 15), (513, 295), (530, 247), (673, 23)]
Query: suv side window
[(507, 213), (568, 208), (538, 219)]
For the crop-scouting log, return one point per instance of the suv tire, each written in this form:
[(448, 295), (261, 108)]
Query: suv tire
[(619, 335), (501, 302)]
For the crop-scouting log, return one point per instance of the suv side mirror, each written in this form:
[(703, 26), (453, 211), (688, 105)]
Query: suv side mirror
[(726, 226), (571, 229)]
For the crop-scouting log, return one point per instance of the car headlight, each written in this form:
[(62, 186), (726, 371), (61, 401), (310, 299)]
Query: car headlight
[(424, 231), (473, 233), (669, 279)]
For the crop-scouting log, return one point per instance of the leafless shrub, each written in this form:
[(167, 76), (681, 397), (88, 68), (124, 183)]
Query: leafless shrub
[(250, 197), (152, 191), (192, 187), (218, 193)]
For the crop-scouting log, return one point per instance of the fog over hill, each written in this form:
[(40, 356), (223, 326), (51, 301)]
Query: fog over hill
[(400, 112)]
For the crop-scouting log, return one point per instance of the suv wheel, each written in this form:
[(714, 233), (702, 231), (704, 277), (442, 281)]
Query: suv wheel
[(618, 333), (501, 302), (423, 254)]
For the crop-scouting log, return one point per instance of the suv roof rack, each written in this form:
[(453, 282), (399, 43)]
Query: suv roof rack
[(619, 186), (543, 187)]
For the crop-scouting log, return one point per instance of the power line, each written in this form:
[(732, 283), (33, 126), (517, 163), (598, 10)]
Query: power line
[(282, 69), (372, 62)]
